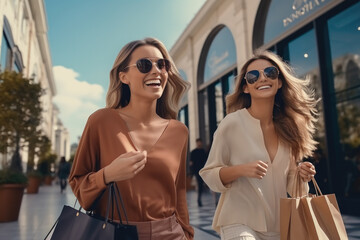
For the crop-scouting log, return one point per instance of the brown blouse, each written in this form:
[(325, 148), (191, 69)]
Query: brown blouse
[(156, 192)]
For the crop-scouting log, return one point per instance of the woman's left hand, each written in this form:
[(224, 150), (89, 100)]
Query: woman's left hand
[(306, 170)]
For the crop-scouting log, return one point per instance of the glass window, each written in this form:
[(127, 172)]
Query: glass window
[(17, 68), (344, 31), (304, 59), (219, 103), (344, 34), (183, 116), (221, 55), (284, 15), (5, 53), (303, 54), (230, 84), (204, 116)]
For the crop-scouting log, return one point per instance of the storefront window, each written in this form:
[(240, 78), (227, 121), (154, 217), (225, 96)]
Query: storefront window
[(5, 53), (217, 65), (219, 103), (284, 15), (204, 116), (183, 116), (344, 33), (221, 55), (304, 59), (230, 83)]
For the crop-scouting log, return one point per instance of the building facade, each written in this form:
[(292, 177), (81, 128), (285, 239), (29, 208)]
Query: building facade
[(319, 38), (24, 48), (60, 136)]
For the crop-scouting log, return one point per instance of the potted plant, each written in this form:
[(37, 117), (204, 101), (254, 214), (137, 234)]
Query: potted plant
[(12, 185), (34, 180), (20, 117), (44, 167)]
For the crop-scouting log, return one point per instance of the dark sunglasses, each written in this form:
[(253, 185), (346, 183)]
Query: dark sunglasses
[(144, 65), (270, 72)]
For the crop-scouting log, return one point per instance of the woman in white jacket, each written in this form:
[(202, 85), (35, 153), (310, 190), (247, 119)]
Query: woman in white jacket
[(258, 147)]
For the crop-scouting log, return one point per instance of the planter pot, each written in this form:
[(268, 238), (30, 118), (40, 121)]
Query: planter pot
[(10, 201), (48, 180), (33, 185)]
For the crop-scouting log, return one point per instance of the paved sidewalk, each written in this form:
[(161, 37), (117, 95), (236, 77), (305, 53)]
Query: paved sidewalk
[(39, 212)]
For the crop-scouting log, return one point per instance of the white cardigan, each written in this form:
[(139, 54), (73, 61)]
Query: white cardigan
[(249, 201)]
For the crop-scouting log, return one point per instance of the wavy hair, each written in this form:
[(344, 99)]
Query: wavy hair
[(294, 110), (119, 95)]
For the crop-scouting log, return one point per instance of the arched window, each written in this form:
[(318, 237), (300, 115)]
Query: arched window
[(11, 57), (216, 71), (277, 18), (220, 56)]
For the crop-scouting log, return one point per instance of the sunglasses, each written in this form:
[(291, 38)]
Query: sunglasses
[(144, 65), (270, 72)]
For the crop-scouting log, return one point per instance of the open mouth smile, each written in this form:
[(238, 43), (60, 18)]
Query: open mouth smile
[(263, 87), (153, 83)]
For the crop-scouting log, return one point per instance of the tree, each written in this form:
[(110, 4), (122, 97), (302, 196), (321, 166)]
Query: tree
[(20, 113), (46, 157), (35, 145)]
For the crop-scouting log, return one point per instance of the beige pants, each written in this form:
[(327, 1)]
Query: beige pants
[(164, 229), (243, 232)]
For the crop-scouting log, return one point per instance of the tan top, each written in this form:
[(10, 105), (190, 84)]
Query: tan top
[(249, 201), (157, 192)]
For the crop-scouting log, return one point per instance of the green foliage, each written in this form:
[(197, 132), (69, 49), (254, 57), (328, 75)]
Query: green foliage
[(39, 145), (12, 177), (44, 164), (20, 110), (44, 144)]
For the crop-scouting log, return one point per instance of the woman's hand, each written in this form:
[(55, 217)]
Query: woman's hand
[(125, 166), (306, 170), (255, 169)]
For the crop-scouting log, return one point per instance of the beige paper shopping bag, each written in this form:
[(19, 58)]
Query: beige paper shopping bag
[(311, 217)]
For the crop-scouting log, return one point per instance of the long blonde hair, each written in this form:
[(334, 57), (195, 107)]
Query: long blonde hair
[(294, 111), (118, 94)]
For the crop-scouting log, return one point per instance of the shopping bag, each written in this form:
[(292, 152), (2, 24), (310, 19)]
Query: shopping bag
[(314, 217), (74, 224)]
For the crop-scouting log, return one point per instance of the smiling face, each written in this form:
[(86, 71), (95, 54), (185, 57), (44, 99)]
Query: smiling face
[(264, 87), (149, 85)]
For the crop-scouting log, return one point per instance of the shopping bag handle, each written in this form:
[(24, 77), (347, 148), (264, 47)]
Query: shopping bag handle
[(117, 192), (316, 186), (113, 192), (297, 186)]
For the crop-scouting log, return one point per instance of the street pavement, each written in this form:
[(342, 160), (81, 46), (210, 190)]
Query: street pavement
[(39, 212)]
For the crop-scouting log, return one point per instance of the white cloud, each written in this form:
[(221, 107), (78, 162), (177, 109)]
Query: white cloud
[(75, 99)]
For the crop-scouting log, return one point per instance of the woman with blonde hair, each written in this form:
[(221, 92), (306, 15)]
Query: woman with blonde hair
[(259, 146), (137, 143)]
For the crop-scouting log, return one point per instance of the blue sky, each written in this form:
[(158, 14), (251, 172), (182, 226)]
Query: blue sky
[(86, 36)]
